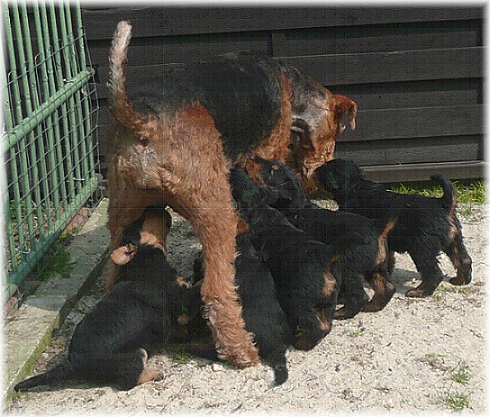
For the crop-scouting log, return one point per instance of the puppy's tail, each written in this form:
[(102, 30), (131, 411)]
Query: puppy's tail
[(61, 372), (120, 105), (450, 197), (384, 228)]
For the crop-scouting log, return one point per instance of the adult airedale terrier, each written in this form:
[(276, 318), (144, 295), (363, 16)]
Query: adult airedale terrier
[(175, 141)]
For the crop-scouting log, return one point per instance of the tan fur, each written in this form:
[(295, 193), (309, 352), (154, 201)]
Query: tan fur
[(317, 148), (382, 242), (383, 291), (148, 374)]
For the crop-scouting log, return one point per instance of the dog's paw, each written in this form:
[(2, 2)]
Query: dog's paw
[(416, 293), (150, 375)]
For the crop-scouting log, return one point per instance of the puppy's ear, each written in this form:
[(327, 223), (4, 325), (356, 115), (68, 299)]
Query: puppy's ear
[(241, 226), (123, 254)]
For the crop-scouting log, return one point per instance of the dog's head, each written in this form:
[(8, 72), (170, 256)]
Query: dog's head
[(307, 290), (315, 315), (310, 331), (150, 230), (186, 306), (281, 182), (338, 176), (319, 117), (247, 193)]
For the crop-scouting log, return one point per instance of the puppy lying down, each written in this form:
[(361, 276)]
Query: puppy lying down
[(110, 343)]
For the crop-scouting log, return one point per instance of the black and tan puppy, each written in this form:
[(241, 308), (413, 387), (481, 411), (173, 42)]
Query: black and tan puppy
[(109, 344), (300, 265), (261, 311), (425, 227), (367, 259)]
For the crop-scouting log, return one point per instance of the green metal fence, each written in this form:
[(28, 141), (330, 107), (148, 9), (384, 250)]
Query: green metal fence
[(48, 141)]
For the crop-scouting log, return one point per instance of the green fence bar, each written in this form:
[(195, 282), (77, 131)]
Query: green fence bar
[(48, 143)]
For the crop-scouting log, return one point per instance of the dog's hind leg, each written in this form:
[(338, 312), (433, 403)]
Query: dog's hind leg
[(127, 202), (461, 261), (425, 259), (148, 374), (277, 360), (121, 216), (355, 298), (202, 194), (128, 369), (383, 290)]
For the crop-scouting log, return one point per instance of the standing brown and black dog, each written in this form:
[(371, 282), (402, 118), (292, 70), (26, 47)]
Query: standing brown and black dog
[(174, 142)]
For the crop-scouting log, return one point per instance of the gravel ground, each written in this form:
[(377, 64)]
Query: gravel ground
[(416, 355)]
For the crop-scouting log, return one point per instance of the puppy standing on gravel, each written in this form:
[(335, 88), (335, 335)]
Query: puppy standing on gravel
[(108, 345), (425, 227)]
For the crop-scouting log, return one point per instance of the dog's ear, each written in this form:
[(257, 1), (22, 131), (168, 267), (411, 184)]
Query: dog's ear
[(123, 254), (241, 226), (344, 105)]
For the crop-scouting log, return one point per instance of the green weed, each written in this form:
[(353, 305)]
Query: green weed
[(461, 374), (178, 354), (56, 261), (456, 402)]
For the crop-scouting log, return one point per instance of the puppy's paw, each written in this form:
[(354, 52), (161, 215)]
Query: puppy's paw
[(150, 375)]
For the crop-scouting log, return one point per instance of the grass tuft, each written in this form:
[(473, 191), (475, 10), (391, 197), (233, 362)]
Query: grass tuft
[(461, 374), (456, 402), (55, 261)]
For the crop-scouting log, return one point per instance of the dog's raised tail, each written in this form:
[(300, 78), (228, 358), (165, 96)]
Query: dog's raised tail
[(120, 105), (384, 228), (61, 372), (450, 197)]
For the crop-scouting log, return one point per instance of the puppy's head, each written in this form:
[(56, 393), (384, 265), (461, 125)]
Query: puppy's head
[(246, 192), (309, 334), (280, 177), (283, 182), (186, 306), (151, 229), (315, 319), (338, 175)]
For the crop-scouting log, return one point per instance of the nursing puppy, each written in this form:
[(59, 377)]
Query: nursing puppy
[(367, 259), (109, 344), (300, 265), (261, 311)]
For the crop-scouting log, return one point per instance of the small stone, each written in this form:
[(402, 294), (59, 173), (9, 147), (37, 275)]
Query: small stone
[(216, 367)]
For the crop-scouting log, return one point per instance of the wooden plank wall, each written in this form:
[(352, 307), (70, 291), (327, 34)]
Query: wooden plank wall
[(415, 72)]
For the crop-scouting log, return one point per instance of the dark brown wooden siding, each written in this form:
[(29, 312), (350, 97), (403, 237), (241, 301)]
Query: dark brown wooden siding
[(415, 72)]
